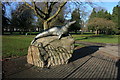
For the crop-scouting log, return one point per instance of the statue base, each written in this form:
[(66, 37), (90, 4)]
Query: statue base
[(50, 51)]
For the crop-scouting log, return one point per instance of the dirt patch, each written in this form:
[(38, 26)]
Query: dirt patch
[(14, 65)]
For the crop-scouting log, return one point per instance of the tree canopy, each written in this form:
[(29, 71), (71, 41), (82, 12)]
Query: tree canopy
[(100, 14), (22, 18), (101, 25), (104, 21)]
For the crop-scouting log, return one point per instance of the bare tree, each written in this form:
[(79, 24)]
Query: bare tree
[(45, 14), (48, 11)]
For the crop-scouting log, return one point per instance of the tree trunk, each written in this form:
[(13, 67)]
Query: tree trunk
[(107, 32), (97, 32), (2, 31), (76, 31), (11, 31), (20, 32), (45, 25)]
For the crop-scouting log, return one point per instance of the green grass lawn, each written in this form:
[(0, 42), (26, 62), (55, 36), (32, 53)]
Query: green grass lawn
[(97, 38), (17, 45)]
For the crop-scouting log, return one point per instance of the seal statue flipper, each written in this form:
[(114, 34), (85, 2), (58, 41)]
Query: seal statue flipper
[(59, 37), (56, 31), (33, 40)]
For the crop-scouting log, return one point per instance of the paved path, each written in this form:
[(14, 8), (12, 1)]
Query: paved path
[(111, 50), (87, 62)]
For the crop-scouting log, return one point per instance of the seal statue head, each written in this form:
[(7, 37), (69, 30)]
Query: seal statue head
[(70, 23)]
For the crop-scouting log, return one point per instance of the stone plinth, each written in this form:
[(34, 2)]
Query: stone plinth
[(49, 51)]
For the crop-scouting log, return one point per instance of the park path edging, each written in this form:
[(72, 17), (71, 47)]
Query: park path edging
[(96, 44)]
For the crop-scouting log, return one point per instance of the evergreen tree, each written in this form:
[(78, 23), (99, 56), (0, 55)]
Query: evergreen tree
[(76, 17), (115, 16), (101, 14), (108, 16), (93, 14)]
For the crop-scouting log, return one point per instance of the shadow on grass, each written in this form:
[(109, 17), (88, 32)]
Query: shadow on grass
[(84, 51), (82, 38), (84, 33), (75, 33)]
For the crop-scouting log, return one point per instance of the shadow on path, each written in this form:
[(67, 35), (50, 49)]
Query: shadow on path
[(118, 65), (84, 51)]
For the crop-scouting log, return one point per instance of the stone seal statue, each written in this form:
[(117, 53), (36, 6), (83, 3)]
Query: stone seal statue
[(56, 31)]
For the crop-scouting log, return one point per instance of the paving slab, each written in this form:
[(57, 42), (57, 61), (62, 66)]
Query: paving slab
[(87, 62), (111, 51)]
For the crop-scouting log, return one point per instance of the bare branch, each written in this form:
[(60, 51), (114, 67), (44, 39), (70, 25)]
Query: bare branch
[(51, 6), (58, 11), (34, 9), (39, 10), (29, 5), (46, 8)]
